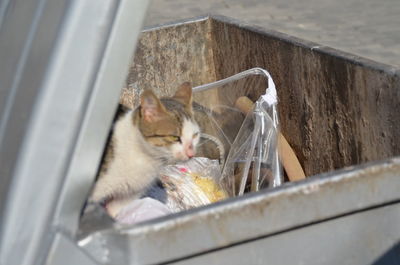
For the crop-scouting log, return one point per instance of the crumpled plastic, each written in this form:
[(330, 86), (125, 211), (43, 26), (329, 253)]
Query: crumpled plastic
[(186, 185), (254, 153), (192, 183), (251, 152), (141, 210)]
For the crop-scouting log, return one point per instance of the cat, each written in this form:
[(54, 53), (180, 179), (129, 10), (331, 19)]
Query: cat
[(158, 132)]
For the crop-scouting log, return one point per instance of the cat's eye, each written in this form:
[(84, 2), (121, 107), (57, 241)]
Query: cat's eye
[(176, 139), (195, 135)]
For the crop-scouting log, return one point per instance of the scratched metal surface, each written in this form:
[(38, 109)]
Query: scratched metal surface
[(335, 241), (253, 216)]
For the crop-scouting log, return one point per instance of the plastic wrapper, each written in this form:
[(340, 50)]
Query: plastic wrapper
[(181, 187), (141, 210), (192, 184), (249, 143), (253, 155)]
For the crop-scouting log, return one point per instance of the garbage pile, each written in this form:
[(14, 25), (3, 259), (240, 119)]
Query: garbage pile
[(245, 160)]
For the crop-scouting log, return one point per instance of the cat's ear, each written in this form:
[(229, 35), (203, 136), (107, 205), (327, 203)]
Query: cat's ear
[(151, 108), (184, 94)]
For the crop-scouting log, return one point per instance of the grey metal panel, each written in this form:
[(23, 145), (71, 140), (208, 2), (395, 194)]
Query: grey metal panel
[(256, 215), (362, 238), (72, 59), (64, 251), (100, 111), (24, 55)]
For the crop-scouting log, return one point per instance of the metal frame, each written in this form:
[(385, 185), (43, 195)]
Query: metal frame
[(255, 216), (370, 238)]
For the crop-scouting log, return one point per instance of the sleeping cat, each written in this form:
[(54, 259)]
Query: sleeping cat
[(158, 132)]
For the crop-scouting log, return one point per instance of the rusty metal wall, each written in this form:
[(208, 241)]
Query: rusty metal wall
[(336, 109), (168, 56)]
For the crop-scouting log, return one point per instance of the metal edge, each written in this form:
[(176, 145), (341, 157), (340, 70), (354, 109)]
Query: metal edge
[(338, 239), (302, 186), (176, 23), (65, 251), (99, 113), (313, 46), (332, 194), (56, 117)]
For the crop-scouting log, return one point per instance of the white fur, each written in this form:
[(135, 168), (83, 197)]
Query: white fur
[(133, 168), (189, 139), (131, 171)]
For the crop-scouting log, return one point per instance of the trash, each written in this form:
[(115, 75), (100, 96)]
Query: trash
[(209, 187), (182, 186), (287, 156), (192, 184), (246, 157), (141, 210), (253, 149)]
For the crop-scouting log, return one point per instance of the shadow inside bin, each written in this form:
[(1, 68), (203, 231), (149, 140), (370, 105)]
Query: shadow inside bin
[(95, 218), (391, 257)]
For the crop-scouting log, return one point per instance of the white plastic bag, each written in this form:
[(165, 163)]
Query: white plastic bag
[(141, 210)]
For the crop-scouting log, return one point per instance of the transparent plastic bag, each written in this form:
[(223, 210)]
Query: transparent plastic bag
[(252, 148), (254, 153), (192, 184)]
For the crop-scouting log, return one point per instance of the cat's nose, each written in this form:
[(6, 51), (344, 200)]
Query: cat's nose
[(190, 151)]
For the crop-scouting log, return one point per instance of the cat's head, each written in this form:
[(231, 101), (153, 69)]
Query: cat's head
[(168, 123)]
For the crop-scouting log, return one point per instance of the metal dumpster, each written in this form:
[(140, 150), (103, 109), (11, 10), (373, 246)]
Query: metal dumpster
[(338, 111)]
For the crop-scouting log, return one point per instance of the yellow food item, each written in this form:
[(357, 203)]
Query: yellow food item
[(213, 192)]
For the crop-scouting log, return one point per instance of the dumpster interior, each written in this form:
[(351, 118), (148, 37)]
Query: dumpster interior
[(334, 109)]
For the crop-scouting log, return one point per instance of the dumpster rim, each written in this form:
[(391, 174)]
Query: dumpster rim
[(284, 37)]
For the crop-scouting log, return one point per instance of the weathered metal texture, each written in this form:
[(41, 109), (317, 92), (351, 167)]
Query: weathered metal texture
[(169, 56), (256, 215), (335, 109), (370, 237)]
